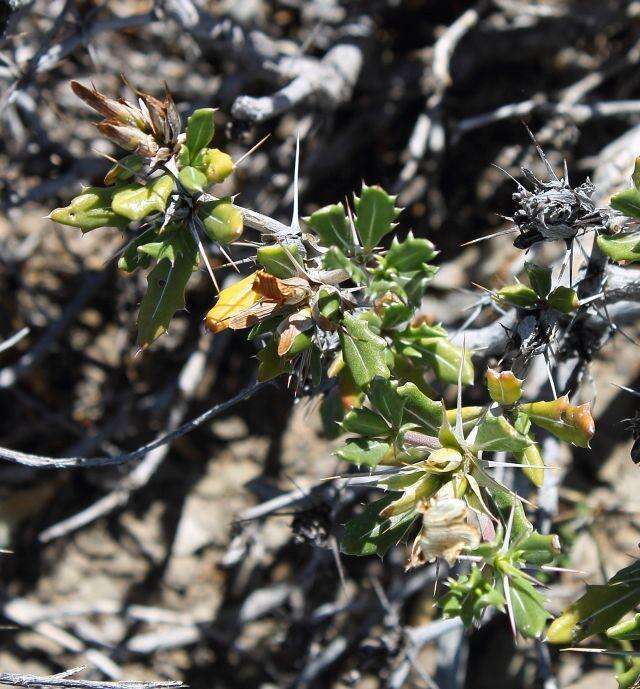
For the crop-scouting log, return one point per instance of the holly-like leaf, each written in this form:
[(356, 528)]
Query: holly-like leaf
[(621, 247), (334, 259), (627, 630), (376, 212), (527, 604), (599, 608), (420, 409), (573, 424), (496, 434), (384, 396), (409, 255), (443, 357), (563, 299), (90, 210), (371, 534), (365, 422), (363, 351), (165, 292), (222, 221), (332, 227), (136, 201), (364, 452), (131, 257), (200, 130), (517, 295)]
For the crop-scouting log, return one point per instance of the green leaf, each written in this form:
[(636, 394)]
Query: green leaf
[(517, 295), (620, 247), (539, 278), (394, 315), (135, 201), (469, 596), (537, 549), (334, 259), (271, 364), (507, 502), (217, 165), (420, 409), (332, 227), (192, 179), (124, 168), (365, 422), (534, 464), (361, 451), (629, 678), (444, 357), (527, 604), (376, 212), (363, 351), (409, 255), (563, 299), (132, 258), (165, 293), (627, 202), (276, 261), (222, 221), (504, 388), (496, 434), (599, 608), (371, 534), (627, 630), (200, 130), (89, 211), (383, 395), (332, 414)]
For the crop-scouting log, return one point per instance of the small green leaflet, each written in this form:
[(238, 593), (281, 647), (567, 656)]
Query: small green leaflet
[(200, 130), (131, 258), (527, 604), (165, 291), (496, 434), (371, 534), (376, 212), (627, 202), (365, 422), (332, 227), (620, 247), (363, 351), (192, 179), (361, 451)]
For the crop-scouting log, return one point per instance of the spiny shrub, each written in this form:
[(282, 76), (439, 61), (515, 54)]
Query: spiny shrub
[(338, 314)]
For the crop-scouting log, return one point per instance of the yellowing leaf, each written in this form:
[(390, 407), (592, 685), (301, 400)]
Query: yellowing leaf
[(232, 301)]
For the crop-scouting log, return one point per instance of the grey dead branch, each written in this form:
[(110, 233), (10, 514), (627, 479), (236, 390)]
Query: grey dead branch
[(171, 553)]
